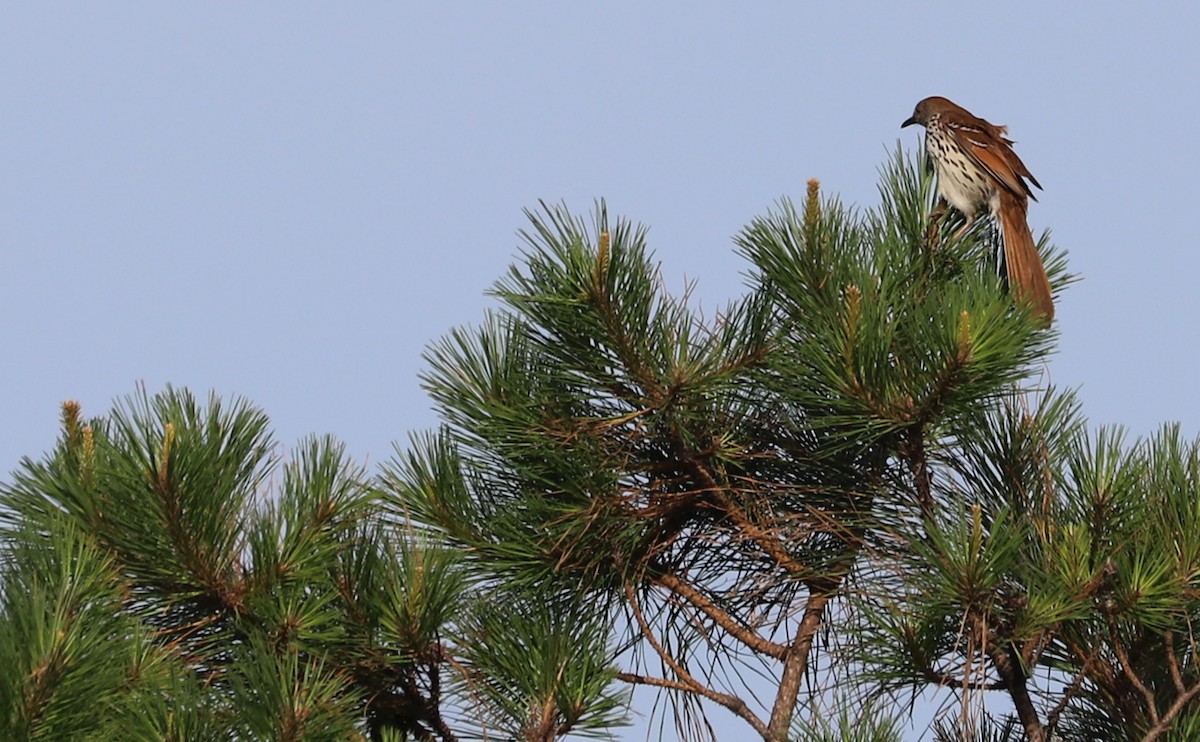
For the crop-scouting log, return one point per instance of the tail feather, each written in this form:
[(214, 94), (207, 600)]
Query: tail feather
[(1026, 274)]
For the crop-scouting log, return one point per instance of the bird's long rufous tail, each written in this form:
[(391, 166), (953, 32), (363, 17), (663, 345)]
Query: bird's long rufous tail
[(1026, 275)]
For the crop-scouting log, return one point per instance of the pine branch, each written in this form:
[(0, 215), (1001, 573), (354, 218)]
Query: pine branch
[(751, 639)]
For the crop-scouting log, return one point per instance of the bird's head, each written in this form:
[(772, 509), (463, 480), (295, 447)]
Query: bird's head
[(925, 109)]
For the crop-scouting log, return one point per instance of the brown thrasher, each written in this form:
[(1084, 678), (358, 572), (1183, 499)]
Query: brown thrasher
[(976, 167)]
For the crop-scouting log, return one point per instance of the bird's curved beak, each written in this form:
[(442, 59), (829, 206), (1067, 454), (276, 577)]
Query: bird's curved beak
[(909, 121)]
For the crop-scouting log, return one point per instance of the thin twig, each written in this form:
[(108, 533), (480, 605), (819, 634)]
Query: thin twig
[(1173, 661), (1127, 667), (687, 682)]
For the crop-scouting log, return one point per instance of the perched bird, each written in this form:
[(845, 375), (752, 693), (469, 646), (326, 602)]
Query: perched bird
[(976, 168)]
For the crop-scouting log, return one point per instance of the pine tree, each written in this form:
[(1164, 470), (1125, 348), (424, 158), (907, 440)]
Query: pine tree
[(848, 486)]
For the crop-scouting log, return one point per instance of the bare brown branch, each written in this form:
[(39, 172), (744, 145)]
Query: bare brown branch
[(1014, 677), (796, 662)]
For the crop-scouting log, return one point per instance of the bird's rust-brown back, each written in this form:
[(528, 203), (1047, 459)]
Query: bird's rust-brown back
[(990, 147)]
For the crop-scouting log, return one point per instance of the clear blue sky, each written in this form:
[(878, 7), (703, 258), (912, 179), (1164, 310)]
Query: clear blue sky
[(288, 201)]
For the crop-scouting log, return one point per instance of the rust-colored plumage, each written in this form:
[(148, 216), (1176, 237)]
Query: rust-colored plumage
[(977, 167)]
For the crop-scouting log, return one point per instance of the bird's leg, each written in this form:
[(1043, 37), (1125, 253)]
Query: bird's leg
[(935, 220), (963, 229), (939, 213)]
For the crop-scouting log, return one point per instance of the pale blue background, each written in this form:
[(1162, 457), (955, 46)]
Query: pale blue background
[(287, 201)]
